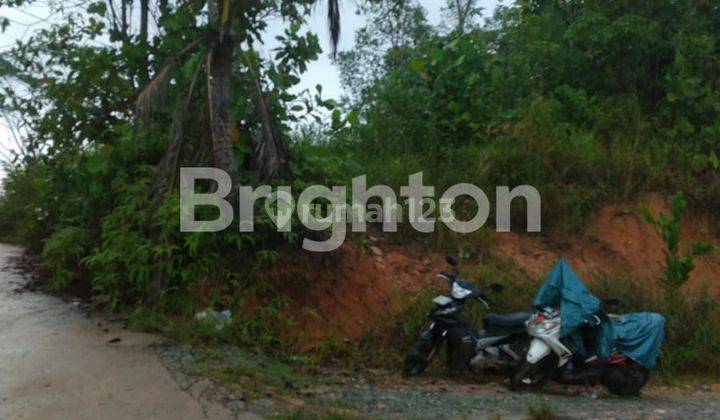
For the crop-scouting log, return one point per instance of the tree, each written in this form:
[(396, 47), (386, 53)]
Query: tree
[(230, 22), (394, 26), (464, 14), (100, 141)]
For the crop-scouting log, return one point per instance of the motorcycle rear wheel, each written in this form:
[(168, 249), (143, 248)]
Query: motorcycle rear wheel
[(625, 381)]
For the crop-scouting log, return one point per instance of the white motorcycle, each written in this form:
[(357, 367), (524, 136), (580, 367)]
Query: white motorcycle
[(549, 357)]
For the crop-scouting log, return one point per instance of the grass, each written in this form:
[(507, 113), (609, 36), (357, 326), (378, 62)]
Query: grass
[(255, 375), (542, 412), (310, 415), (147, 320)]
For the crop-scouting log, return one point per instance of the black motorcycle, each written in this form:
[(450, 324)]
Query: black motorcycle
[(500, 347)]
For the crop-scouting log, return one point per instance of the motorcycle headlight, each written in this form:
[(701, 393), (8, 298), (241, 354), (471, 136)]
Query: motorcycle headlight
[(535, 329), (459, 292)]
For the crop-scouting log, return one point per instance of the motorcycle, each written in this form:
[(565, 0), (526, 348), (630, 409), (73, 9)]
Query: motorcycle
[(499, 346), (629, 343)]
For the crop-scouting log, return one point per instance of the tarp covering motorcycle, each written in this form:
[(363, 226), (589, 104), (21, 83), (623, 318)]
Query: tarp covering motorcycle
[(639, 335)]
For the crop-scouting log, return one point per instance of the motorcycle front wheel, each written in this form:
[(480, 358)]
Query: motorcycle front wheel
[(419, 356), (531, 376)]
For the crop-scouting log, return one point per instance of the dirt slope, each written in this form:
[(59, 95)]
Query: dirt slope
[(356, 288), (618, 243)]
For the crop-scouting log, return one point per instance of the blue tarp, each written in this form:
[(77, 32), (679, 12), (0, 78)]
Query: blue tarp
[(563, 288), (639, 336)]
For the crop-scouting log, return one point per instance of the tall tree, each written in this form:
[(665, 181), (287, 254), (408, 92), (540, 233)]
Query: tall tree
[(463, 13), (393, 27), (233, 21)]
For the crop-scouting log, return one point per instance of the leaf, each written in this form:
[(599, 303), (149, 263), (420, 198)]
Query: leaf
[(98, 8), (337, 121), (417, 64), (713, 160), (352, 118), (700, 249), (699, 162), (437, 54), (496, 74), (330, 104), (97, 165)]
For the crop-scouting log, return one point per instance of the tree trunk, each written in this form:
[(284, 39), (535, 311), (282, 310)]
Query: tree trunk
[(219, 67), (144, 62), (124, 24)]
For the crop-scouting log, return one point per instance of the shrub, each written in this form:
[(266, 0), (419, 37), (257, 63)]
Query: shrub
[(677, 268)]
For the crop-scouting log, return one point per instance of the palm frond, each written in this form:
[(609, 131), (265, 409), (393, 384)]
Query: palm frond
[(334, 24), (165, 173), (270, 157), (151, 95)]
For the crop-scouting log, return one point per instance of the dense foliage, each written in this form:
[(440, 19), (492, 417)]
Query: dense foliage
[(108, 112), (589, 101)]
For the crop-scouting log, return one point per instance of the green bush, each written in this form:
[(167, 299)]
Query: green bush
[(677, 268), (62, 253)]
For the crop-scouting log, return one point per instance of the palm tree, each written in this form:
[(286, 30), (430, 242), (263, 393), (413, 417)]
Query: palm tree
[(219, 55)]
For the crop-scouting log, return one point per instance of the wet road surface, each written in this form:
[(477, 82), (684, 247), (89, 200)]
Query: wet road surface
[(56, 363)]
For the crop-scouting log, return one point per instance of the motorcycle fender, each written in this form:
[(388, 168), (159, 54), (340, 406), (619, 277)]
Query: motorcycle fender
[(538, 350)]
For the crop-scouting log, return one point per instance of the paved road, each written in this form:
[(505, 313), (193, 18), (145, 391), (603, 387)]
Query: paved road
[(55, 363)]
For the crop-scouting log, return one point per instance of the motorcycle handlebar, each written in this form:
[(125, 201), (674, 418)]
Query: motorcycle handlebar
[(482, 298), (477, 293)]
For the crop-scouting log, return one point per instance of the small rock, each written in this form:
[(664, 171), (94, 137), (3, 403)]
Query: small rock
[(375, 250), (114, 340)]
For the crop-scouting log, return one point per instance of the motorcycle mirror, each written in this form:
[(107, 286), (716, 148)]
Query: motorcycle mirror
[(496, 287), (611, 302), (451, 260)]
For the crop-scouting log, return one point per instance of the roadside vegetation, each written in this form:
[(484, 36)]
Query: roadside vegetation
[(591, 102)]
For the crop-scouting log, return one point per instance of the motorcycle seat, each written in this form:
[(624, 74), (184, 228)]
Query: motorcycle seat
[(506, 321)]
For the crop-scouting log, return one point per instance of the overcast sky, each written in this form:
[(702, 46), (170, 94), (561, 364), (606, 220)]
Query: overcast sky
[(30, 18)]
